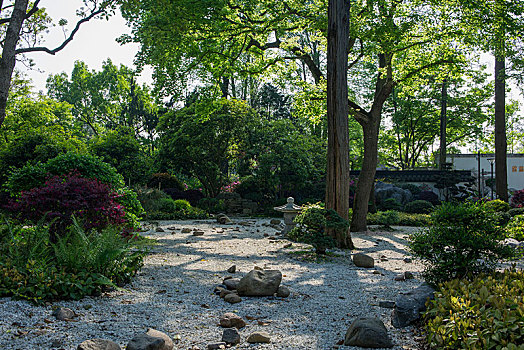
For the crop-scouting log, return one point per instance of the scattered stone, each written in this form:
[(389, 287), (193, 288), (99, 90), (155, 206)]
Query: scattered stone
[(159, 229), (232, 269), (368, 332), (168, 345), (283, 292), (232, 298), (171, 228), (216, 346), (408, 260), (198, 233), (225, 292), (231, 336), (259, 337), (512, 242), (363, 260), (260, 283), (219, 289), (274, 222), (289, 245), (408, 306), (400, 277), (232, 283), (376, 272), (223, 219), (98, 344), (186, 230), (408, 275), (56, 343), (231, 320), (146, 342), (386, 304), (266, 234), (63, 314)]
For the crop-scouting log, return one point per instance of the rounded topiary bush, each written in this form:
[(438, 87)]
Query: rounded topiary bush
[(497, 206), (391, 204), (515, 228), (419, 207)]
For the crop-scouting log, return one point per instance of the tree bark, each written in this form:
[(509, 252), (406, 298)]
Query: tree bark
[(337, 178), (443, 124), (501, 147), (8, 59)]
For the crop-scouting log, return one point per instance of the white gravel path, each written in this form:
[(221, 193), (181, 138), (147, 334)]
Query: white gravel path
[(173, 293)]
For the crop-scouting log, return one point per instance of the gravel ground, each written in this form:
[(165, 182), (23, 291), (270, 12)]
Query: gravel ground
[(173, 293)]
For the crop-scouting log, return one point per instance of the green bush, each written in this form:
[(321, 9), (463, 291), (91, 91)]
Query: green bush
[(212, 205), (165, 180), (160, 206), (463, 239), (419, 207), (497, 206), (515, 228), (485, 313), (516, 211), (80, 263), (391, 204), (311, 227), (414, 189), (404, 219)]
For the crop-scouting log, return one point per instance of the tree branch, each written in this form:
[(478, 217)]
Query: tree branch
[(427, 66)]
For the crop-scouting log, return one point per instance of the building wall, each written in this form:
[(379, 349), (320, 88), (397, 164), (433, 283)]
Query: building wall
[(515, 163)]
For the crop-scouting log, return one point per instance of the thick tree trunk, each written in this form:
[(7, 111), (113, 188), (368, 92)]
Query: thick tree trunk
[(337, 178), (501, 147), (8, 59), (366, 178), (443, 124)]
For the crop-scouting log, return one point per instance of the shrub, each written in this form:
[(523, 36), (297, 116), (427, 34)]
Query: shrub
[(212, 205), (160, 206), (63, 197), (485, 313), (404, 219), (516, 211), (391, 204), (515, 228), (429, 196), (311, 227), (182, 204), (192, 196), (497, 206), (463, 239), (414, 189), (164, 181), (517, 200), (419, 207)]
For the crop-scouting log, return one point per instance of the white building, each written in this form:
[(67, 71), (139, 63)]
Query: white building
[(515, 164)]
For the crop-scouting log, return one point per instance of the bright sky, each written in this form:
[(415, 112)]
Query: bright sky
[(93, 44)]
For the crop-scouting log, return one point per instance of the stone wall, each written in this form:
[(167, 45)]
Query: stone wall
[(236, 204)]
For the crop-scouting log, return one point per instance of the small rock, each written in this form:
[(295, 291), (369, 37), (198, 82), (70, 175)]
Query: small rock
[(232, 269), (171, 228), (386, 304), (289, 245), (368, 332), (408, 260), (223, 219), (145, 342), (283, 292), (159, 229), (198, 233), (168, 345), (231, 320), (225, 292), (216, 346), (266, 234), (408, 275), (260, 283), (400, 277), (219, 289), (186, 230), (274, 222), (259, 337), (232, 283), (56, 343), (232, 298), (63, 314), (98, 344), (363, 260), (408, 306), (376, 272), (231, 336)]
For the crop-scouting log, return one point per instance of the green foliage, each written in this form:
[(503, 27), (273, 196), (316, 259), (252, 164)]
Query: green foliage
[(497, 206), (165, 180), (516, 211), (312, 223), (414, 189), (78, 264), (160, 206), (419, 207), (212, 205), (515, 228), (391, 204), (484, 313), (404, 219), (463, 239)]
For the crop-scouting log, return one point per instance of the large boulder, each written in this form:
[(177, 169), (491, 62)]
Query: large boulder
[(384, 191), (363, 260), (98, 344), (408, 306), (146, 342), (368, 332), (260, 283)]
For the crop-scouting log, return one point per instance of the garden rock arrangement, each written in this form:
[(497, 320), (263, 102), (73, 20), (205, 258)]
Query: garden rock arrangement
[(409, 305), (173, 294)]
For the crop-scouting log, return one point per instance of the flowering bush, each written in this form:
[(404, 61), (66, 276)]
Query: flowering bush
[(230, 187), (517, 201), (62, 197)]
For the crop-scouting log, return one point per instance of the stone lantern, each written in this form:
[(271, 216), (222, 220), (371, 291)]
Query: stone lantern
[(290, 211)]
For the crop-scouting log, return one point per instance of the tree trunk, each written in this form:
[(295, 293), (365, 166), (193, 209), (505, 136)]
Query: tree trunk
[(501, 147), (443, 124), (366, 178), (8, 59), (337, 178)]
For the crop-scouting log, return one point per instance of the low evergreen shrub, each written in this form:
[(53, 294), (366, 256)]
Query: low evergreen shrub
[(515, 228), (419, 207)]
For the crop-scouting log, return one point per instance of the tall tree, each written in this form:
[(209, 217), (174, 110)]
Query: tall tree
[(337, 177), (21, 19)]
